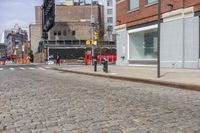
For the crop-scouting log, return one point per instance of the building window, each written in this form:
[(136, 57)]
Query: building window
[(143, 45), (59, 33), (109, 11), (110, 20), (109, 2), (151, 1), (133, 4), (110, 28), (55, 33), (73, 32)]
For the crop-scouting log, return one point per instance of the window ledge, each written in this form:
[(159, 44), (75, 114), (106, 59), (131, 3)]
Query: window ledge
[(151, 4), (133, 10)]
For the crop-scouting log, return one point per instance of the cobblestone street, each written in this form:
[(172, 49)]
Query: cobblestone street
[(48, 101)]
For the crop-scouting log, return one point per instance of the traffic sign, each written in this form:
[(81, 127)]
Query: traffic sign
[(88, 42), (96, 35), (95, 43)]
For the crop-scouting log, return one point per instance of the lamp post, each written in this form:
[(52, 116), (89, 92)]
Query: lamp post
[(159, 25), (92, 21)]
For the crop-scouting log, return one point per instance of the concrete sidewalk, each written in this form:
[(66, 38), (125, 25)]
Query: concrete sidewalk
[(178, 78)]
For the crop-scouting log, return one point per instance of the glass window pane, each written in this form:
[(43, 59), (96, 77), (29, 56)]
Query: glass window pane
[(109, 11), (151, 1), (109, 20), (109, 3), (143, 45), (133, 4)]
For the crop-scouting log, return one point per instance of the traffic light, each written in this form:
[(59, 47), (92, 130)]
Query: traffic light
[(96, 35)]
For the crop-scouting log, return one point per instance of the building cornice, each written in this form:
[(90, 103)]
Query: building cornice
[(178, 14), (120, 1), (119, 27)]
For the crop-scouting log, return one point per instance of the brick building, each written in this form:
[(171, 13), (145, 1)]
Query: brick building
[(137, 32), (72, 23), (17, 44)]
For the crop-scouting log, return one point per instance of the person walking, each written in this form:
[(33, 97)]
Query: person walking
[(58, 60)]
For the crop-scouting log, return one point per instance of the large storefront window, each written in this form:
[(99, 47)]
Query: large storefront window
[(143, 45)]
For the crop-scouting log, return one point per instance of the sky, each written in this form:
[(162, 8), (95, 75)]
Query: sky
[(18, 11)]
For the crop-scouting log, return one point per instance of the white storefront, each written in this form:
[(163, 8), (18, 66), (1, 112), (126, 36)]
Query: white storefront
[(179, 41)]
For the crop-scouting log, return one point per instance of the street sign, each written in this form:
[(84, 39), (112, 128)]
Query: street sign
[(88, 42), (91, 42), (96, 35), (95, 43)]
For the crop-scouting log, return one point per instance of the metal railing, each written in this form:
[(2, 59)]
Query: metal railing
[(72, 43)]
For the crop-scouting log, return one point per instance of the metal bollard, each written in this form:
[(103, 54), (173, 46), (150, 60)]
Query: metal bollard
[(106, 66), (95, 65)]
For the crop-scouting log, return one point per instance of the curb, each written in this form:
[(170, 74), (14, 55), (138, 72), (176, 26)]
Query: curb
[(140, 80)]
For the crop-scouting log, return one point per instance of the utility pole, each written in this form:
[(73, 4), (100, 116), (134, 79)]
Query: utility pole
[(159, 25), (92, 29)]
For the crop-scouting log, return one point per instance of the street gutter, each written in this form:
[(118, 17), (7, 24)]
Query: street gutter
[(140, 80)]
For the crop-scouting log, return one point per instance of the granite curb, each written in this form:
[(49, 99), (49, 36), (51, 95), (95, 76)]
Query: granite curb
[(179, 85)]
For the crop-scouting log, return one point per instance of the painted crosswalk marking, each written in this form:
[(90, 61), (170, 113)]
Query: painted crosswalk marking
[(1, 69), (41, 68), (22, 68), (31, 68), (12, 69)]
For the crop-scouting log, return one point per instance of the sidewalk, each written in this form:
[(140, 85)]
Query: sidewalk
[(178, 78)]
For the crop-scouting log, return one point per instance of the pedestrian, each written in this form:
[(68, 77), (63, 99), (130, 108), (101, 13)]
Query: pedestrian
[(58, 60)]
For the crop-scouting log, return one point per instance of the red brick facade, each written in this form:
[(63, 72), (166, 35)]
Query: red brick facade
[(148, 13)]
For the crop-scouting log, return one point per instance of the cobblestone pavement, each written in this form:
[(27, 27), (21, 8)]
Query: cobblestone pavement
[(38, 101)]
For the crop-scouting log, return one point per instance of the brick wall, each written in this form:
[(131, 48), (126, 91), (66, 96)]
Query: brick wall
[(148, 13), (82, 31), (73, 18)]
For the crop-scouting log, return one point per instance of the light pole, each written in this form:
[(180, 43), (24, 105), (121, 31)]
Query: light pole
[(159, 25), (92, 21)]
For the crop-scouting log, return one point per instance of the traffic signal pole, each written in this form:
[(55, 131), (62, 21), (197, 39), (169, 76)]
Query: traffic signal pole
[(92, 26)]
